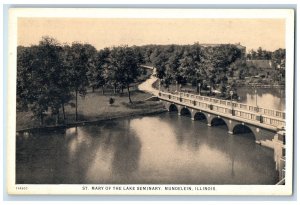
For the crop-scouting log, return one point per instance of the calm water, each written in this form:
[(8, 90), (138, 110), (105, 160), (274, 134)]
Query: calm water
[(160, 149), (272, 98)]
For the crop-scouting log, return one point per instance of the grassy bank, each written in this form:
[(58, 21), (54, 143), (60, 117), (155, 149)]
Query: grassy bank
[(95, 106)]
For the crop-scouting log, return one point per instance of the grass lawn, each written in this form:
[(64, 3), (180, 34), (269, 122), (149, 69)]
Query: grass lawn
[(95, 106)]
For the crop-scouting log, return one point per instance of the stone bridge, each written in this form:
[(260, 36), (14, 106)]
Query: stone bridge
[(238, 117)]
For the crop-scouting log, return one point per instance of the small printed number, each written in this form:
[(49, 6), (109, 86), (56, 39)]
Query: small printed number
[(21, 187)]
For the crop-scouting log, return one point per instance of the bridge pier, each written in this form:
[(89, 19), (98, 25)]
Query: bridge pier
[(230, 127), (179, 107), (166, 104), (209, 118), (192, 114)]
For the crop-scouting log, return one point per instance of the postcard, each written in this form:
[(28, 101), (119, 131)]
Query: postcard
[(150, 101)]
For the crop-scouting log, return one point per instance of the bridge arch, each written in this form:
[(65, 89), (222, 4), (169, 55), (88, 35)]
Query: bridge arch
[(173, 107), (244, 129), (218, 121), (200, 116), (185, 112)]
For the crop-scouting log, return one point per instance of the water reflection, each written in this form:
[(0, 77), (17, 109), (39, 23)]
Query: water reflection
[(162, 149), (126, 155), (273, 98)]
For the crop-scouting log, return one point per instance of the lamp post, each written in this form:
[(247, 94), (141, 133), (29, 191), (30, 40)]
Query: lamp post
[(255, 91), (231, 94), (199, 84)]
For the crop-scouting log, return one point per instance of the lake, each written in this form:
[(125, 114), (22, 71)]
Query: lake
[(159, 149)]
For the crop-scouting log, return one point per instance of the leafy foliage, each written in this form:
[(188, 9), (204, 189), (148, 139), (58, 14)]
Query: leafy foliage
[(193, 64), (49, 74)]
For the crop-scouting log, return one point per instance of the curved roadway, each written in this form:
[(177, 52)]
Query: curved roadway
[(147, 85)]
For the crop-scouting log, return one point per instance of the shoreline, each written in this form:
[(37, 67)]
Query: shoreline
[(90, 122), (260, 85)]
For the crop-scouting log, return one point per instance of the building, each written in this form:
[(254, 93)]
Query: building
[(238, 45)]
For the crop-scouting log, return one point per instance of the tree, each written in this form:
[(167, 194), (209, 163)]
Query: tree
[(30, 87), (191, 64), (113, 71), (41, 83), (58, 88), (278, 57), (80, 59), (159, 60), (124, 66), (25, 63), (259, 53), (132, 64), (96, 71)]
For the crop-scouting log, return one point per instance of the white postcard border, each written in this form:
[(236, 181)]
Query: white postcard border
[(14, 14)]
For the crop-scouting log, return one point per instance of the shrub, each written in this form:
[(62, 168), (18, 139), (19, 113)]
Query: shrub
[(111, 101)]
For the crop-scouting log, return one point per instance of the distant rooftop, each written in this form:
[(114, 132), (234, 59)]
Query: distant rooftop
[(219, 44), (260, 63)]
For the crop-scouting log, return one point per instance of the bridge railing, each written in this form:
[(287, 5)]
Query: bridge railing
[(222, 107), (264, 111)]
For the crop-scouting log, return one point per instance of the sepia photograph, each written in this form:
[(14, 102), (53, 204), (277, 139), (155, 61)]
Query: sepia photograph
[(151, 101)]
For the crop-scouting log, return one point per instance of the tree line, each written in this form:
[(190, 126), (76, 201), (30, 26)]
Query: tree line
[(212, 67), (50, 75), (194, 64), (261, 54)]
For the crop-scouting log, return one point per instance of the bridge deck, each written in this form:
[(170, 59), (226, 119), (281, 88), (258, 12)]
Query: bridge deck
[(265, 118), (241, 106)]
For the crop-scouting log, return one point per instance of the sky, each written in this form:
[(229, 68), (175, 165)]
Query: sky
[(252, 33)]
